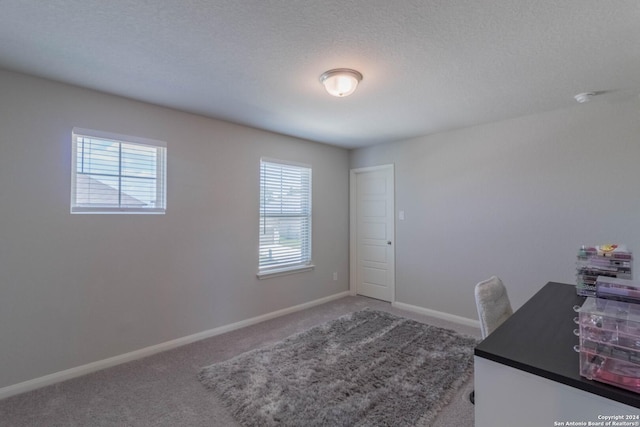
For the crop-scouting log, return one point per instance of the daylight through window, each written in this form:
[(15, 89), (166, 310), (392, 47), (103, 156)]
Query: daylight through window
[(117, 174), (285, 216)]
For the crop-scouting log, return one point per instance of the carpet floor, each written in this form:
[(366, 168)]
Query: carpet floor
[(163, 389)]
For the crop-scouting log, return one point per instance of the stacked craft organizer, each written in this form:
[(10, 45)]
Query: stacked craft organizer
[(605, 260), (609, 319)]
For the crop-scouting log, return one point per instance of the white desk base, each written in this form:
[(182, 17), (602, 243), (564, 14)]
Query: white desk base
[(505, 397)]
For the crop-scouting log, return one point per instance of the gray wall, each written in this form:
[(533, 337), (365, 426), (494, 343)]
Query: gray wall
[(80, 288), (515, 198)]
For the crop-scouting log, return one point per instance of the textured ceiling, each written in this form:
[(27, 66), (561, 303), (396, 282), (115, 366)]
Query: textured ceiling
[(428, 65)]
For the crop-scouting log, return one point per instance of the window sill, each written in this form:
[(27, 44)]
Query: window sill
[(285, 271), (118, 212)]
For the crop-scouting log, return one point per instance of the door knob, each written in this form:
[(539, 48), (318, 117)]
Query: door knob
[(388, 242)]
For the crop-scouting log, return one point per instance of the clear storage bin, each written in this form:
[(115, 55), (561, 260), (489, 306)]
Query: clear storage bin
[(609, 348), (618, 289)]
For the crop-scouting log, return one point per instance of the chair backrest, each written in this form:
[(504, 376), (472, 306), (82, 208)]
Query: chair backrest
[(493, 304)]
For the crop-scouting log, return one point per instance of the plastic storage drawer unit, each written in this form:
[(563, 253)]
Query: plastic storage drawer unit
[(609, 348)]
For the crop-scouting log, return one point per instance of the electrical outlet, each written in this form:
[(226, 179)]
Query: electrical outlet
[(335, 276)]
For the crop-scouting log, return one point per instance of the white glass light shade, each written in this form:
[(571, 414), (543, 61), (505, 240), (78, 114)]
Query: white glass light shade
[(584, 97), (341, 81)]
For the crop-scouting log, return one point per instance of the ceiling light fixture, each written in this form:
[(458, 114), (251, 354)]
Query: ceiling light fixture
[(584, 97), (341, 82)]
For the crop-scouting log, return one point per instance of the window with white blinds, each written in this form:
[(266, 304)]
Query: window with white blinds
[(285, 217), (114, 173)]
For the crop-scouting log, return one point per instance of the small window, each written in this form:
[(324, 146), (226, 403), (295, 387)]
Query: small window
[(117, 174), (285, 218)]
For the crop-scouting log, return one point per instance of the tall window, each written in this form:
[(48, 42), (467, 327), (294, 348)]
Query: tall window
[(285, 217), (117, 174)]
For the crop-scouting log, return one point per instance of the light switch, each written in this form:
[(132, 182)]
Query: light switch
[(401, 215)]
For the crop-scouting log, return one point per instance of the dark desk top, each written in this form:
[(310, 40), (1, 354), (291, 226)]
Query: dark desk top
[(538, 338)]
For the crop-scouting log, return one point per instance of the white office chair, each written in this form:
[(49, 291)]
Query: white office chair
[(493, 306)]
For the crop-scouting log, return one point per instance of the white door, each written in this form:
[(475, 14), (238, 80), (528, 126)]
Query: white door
[(372, 232)]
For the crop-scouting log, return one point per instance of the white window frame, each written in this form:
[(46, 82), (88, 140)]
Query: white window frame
[(161, 173), (286, 268)]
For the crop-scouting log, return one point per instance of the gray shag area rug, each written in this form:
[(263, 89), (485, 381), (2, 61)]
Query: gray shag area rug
[(368, 368)]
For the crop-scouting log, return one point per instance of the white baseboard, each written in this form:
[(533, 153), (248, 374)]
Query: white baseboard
[(67, 374), (438, 314)]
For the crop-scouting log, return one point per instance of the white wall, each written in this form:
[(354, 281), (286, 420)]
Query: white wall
[(80, 288), (515, 198)]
